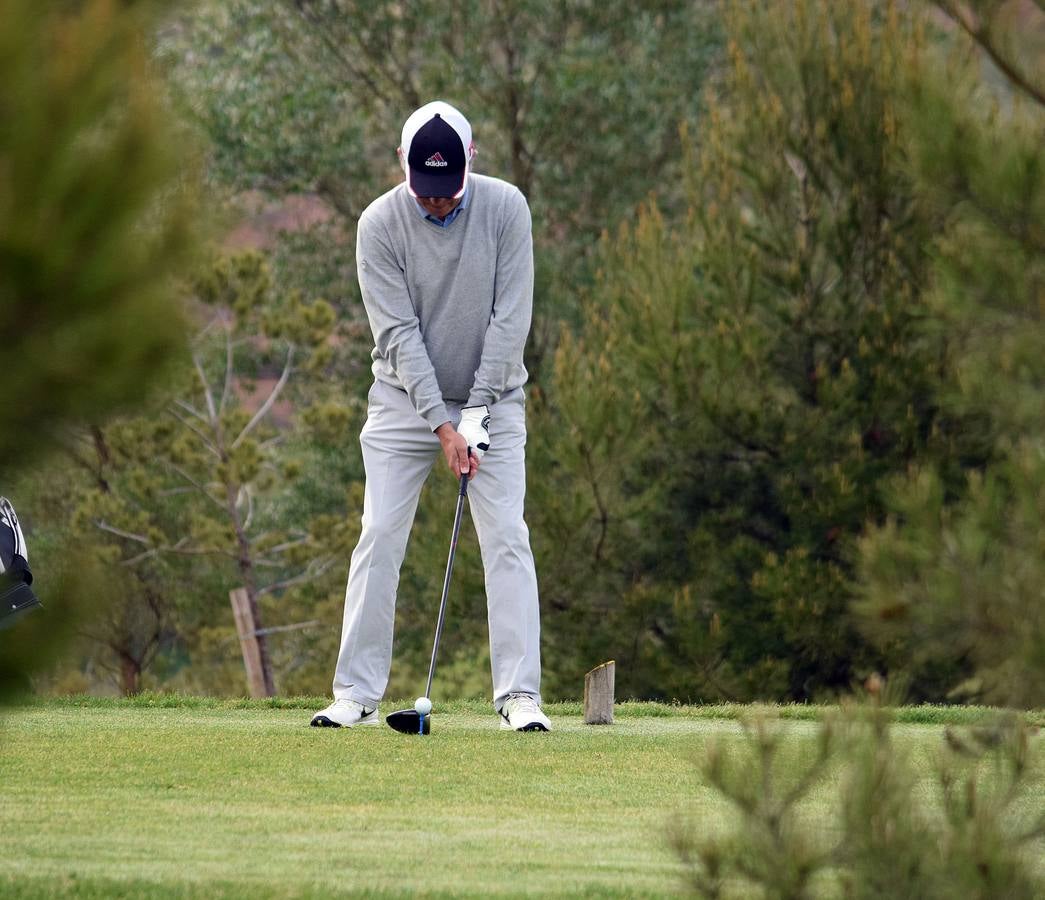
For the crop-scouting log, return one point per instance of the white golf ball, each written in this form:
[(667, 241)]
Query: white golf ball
[(422, 706)]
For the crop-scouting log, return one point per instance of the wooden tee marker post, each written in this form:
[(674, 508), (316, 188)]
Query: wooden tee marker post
[(598, 694), (248, 640)]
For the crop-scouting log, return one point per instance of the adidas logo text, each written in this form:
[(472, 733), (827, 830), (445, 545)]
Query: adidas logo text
[(436, 159)]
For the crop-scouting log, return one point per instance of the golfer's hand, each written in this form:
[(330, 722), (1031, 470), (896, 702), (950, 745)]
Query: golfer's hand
[(475, 429), (455, 449)]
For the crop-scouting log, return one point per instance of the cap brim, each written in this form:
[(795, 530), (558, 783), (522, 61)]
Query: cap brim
[(428, 184)]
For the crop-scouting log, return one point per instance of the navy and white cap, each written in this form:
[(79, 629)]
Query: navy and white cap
[(436, 151)]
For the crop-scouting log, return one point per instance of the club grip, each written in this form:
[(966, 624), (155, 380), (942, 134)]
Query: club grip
[(464, 485)]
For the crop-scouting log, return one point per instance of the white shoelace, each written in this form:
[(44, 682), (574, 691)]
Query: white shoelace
[(523, 703), (353, 704)]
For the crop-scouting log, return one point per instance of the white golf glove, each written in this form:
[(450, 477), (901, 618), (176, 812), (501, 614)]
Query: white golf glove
[(475, 428)]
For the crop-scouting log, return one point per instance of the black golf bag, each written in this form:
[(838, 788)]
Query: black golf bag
[(16, 597)]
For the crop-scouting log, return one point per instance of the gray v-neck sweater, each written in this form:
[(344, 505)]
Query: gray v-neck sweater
[(449, 307)]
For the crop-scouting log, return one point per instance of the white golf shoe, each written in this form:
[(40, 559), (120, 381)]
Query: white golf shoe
[(345, 714), (522, 713)]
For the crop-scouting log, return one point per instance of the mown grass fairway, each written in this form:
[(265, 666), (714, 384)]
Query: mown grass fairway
[(170, 797)]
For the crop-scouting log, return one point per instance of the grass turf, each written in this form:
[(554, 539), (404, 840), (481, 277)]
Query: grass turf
[(188, 797)]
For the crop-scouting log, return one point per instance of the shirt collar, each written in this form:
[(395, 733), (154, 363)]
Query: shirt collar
[(457, 210)]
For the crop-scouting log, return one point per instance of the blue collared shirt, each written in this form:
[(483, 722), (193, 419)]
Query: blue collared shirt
[(454, 213)]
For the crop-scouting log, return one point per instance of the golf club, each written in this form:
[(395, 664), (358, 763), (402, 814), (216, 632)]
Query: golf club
[(411, 721)]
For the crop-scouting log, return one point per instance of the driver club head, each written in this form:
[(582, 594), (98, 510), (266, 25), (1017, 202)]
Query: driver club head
[(409, 721)]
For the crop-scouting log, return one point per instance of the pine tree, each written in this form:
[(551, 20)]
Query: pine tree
[(752, 374), (94, 220), (960, 576), (95, 223), (877, 836), (204, 475)]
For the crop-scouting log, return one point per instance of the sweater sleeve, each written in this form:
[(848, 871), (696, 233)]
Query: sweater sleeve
[(505, 340), (394, 323)]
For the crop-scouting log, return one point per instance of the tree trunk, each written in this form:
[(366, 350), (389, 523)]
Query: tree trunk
[(250, 585), (130, 675), (250, 643), (263, 653)]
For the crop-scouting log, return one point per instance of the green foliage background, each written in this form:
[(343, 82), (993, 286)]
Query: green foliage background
[(797, 440), (96, 221), (785, 424)]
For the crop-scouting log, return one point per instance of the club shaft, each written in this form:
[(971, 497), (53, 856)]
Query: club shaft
[(446, 581)]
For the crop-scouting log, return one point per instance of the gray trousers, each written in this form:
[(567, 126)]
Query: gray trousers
[(399, 450)]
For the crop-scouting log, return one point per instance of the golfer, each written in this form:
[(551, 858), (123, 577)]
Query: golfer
[(445, 266)]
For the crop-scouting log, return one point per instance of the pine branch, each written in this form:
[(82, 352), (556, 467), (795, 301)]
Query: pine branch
[(604, 516), (250, 507), (273, 442), (311, 573), (269, 401), (203, 437), (134, 560), (72, 451), (119, 532), (322, 31), (191, 410), (199, 487), (297, 626), (206, 389), (227, 386), (983, 36), (286, 545), (181, 550)]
